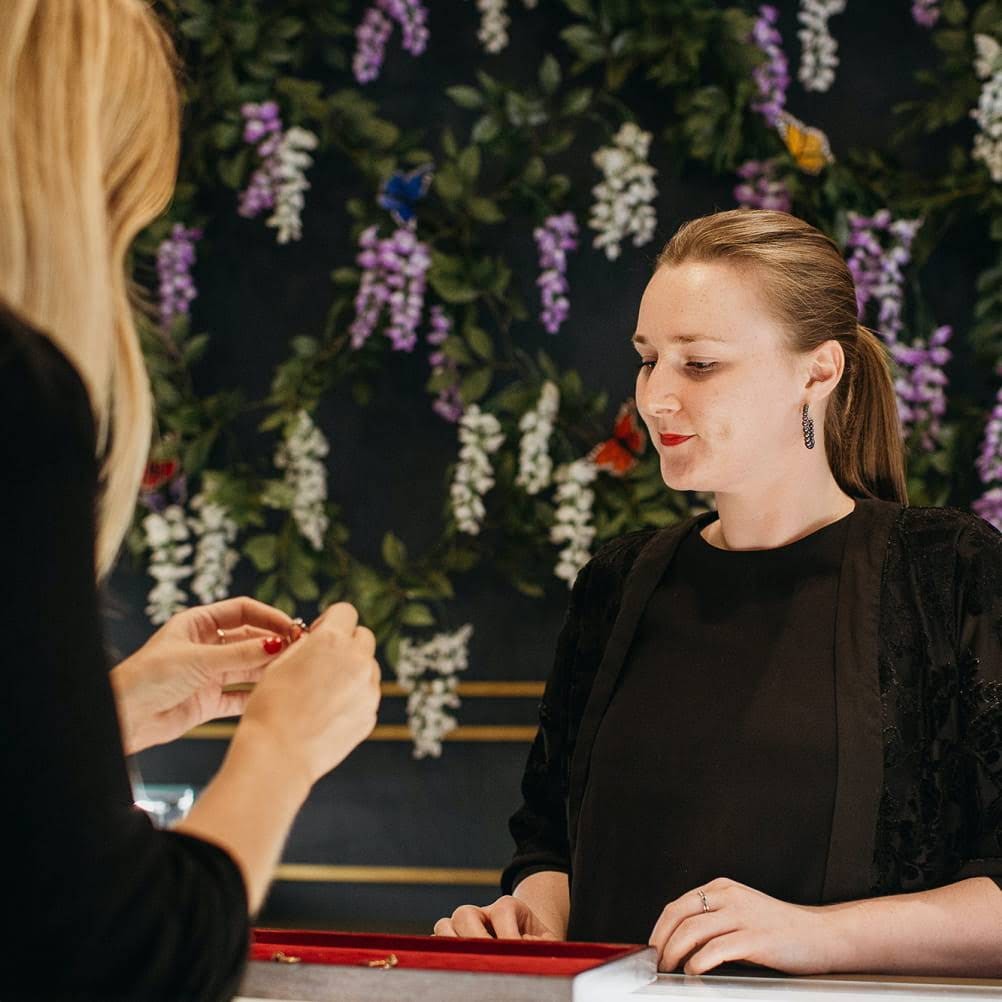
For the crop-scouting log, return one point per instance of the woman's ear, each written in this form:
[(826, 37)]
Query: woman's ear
[(825, 367)]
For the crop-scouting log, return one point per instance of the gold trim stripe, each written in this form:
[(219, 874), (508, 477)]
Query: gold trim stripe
[(324, 874), (396, 732), (467, 690)]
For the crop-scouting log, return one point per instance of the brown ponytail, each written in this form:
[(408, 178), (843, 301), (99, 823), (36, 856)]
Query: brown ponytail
[(808, 284)]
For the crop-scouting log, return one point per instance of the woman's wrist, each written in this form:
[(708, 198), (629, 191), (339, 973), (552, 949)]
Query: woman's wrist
[(255, 752)]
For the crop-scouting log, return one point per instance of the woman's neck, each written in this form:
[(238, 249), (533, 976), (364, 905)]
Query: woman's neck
[(760, 523)]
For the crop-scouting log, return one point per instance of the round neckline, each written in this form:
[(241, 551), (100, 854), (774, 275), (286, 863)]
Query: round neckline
[(707, 518)]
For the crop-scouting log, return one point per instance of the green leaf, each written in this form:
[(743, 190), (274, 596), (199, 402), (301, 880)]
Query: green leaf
[(549, 74), (195, 348), (582, 8), (475, 385), (480, 341), (484, 210), (416, 614), (262, 551), (449, 144), (345, 276), (529, 588), (535, 171), (465, 97), (469, 162), (485, 130), (394, 552), (453, 347), (305, 347), (954, 12), (448, 183), (265, 591), (577, 101), (451, 288), (286, 603)]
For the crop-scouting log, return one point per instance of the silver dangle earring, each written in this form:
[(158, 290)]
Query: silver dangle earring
[(808, 429)]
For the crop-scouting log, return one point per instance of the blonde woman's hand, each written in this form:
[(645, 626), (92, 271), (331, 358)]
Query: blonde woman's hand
[(742, 925), (319, 698), (506, 918), (175, 680)]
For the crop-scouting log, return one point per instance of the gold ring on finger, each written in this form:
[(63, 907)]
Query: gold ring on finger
[(706, 904), (221, 634)]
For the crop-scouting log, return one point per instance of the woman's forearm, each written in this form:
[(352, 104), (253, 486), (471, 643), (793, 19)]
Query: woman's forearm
[(548, 894), (953, 930), (249, 807)]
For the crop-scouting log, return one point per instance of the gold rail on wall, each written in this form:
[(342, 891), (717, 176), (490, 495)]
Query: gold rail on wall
[(395, 732), (322, 873), (467, 690)]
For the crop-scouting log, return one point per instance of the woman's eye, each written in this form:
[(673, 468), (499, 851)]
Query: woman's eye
[(701, 366), (647, 362)]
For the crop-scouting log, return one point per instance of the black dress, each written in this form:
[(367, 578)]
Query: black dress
[(97, 903), (716, 755)]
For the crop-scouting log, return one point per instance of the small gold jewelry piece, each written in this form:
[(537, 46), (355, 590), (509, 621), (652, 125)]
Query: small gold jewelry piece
[(386, 963), (284, 958), (702, 897), (222, 635), (301, 623)]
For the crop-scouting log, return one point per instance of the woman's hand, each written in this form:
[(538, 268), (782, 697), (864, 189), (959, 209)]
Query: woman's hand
[(742, 925), (175, 680), (319, 698), (506, 918)]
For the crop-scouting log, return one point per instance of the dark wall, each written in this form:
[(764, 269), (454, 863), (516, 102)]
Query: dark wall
[(387, 460)]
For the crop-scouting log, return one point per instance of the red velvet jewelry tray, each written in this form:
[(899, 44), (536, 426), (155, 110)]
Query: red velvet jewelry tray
[(307, 966)]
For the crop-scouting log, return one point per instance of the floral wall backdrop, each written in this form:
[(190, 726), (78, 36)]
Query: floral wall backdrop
[(391, 310)]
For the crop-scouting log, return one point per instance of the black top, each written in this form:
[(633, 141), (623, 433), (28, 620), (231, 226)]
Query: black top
[(918, 700), (716, 755), (97, 903)]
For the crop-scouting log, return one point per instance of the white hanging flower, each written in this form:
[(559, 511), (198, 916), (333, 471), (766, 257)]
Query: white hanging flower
[(480, 436), (494, 21), (427, 672), (623, 199), (299, 455), (572, 523), (818, 47), (167, 536), (214, 557), (289, 171), (535, 466), (988, 114)]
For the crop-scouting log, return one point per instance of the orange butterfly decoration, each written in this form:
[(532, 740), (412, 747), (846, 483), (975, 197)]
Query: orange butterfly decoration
[(808, 146), (618, 455)]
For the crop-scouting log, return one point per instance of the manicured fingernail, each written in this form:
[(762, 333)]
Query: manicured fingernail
[(272, 645)]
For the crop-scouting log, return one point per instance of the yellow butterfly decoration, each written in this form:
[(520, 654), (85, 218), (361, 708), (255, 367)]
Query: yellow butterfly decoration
[(808, 146)]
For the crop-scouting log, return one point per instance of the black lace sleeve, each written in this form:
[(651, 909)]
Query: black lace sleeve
[(539, 826), (980, 650)]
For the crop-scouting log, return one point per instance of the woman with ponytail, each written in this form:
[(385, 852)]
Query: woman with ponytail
[(773, 732), (99, 905)]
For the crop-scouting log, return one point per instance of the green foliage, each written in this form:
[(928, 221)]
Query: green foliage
[(499, 170)]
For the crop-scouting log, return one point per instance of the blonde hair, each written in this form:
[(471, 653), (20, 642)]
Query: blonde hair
[(89, 123), (809, 287)]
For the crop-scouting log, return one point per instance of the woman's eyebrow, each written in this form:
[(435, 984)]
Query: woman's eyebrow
[(682, 339)]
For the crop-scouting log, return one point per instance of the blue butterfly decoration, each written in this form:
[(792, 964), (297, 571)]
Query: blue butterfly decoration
[(401, 193)]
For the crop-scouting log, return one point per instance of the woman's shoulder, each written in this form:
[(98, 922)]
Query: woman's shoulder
[(947, 526), (617, 556), (44, 401)]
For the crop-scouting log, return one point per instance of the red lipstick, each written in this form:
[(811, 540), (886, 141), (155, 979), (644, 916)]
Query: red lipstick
[(674, 439)]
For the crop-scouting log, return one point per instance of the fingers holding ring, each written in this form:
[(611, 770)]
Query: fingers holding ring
[(702, 898), (221, 634)]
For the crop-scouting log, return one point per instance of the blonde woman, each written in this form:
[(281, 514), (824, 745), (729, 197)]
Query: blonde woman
[(97, 903), (773, 732)]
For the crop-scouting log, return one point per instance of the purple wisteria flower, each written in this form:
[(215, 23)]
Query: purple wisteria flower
[(921, 384), (925, 12), (989, 507), (372, 34), (174, 492), (448, 404), (761, 189), (394, 273), (263, 127), (554, 239), (374, 31), (773, 78), (877, 269), (175, 259), (989, 462)]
